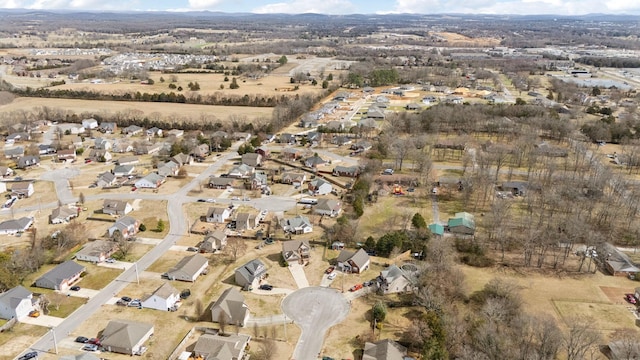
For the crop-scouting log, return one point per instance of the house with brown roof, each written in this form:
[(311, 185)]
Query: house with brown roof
[(62, 214), (328, 207), (230, 308), (66, 155), (97, 251), (188, 269), (22, 189), (293, 178), (223, 347), (296, 251), (214, 241), (252, 159), (116, 207), (291, 153), (250, 273), (220, 182), (217, 214), (246, 221), (355, 263), (384, 350)]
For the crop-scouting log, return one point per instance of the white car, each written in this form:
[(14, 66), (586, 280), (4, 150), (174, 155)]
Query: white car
[(211, 200), (332, 276)]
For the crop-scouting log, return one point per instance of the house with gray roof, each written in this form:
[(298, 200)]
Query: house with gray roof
[(241, 171), (123, 170), (108, 127), (14, 226), (126, 226), (328, 207), (97, 251), (132, 130), (169, 168), (296, 251), (251, 272), (16, 303), (128, 160), (28, 161), (314, 161), (252, 159), (293, 178), (214, 241), (384, 350), (246, 221), (151, 181), (353, 262), (62, 214), (396, 280), (220, 182), (258, 180), (231, 307), (164, 298), (319, 186), (61, 277), (297, 225), (14, 153), (102, 144), (348, 171), (22, 189), (189, 268), (126, 336), (106, 179), (229, 346)]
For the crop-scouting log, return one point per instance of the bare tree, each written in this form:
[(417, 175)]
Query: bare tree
[(222, 321), (580, 337), (236, 247)]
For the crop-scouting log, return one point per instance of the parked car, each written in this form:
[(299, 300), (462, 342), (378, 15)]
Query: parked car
[(631, 299), (332, 276), (211, 200), (185, 294), (192, 249), (356, 287), (125, 299), (90, 347), (110, 260), (202, 200), (94, 341), (75, 288), (135, 303), (82, 339), (330, 269), (34, 313), (29, 355), (266, 287)]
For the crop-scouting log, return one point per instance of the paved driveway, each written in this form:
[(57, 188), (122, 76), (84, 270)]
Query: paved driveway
[(297, 271), (43, 320), (314, 310)]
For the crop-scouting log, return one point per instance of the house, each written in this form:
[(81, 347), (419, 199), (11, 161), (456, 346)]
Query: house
[(229, 346), (241, 171), (412, 107), (287, 139), (384, 350), (375, 113), (230, 308), (462, 223), (200, 152), (297, 225), (334, 126), (106, 179), (616, 262), (250, 273), (293, 178), (116, 207), (264, 152), (516, 188), (90, 124), (126, 336), (154, 132), (132, 130), (14, 153), (220, 182), (348, 171), (76, 129), (147, 149), (22, 189), (182, 159), (214, 241), (128, 160), (395, 280), (328, 207), (258, 181), (123, 170), (16, 303), (28, 161), (436, 229), (291, 154), (429, 100), (175, 133), (46, 149), (100, 155), (151, 181), (252, 159), (97, 251), (6, 171), (168, 169), (102, 144), (189, 268), (61, 277), (314, 161), (164, 298), (76, 141), (126, 226), (14, 226), (17, 137), (246, 221), (66, 155), (623, 350), (337, 245), (319, 186), (108, 127), (62, 214), (296, 251), (341, 140), (355, 263), (217, 214)]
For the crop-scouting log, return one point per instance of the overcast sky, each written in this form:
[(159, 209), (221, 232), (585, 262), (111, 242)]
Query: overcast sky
[(524, 7)]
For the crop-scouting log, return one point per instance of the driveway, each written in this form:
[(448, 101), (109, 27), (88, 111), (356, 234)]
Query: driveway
[(82, 293), (297, 271), (277, 319), (60, 178), (314, 310), (43, 320)]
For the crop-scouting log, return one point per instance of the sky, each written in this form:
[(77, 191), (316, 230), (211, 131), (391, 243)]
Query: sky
[(336, 7)]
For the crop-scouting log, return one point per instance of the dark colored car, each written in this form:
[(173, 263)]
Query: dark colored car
[(185, 294), (29, 355), (266, 287), (329, 269), (94, 341), (126, 299), (192, 249), (75, 288), (82, 339)]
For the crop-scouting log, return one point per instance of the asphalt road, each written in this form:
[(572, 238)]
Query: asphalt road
[(314, 310)]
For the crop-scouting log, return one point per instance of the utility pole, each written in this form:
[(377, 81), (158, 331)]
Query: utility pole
[(55, 343), (135, 264)]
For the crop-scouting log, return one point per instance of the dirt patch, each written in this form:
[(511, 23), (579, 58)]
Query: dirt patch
[(615, 294)]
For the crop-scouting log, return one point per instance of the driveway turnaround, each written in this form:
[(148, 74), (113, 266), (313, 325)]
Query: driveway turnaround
[(314, 310)]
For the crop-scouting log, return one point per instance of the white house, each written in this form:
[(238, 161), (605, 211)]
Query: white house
[(188, 269), (218, 214), (97, 251), (22, 189), (151, 181), (319, 186), (163, 298), (14, 226), (16, 303), (297, 225), (328, 207), (90, 123)]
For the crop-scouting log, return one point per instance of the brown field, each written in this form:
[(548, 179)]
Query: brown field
[(17, 339), (455, 38)]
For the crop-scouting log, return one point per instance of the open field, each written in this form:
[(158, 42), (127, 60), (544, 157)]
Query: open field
[(19, 338)]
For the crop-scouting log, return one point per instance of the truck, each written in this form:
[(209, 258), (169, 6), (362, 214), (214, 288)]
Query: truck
[(308, 201)]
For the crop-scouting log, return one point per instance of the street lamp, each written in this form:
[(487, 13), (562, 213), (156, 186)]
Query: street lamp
[(55, 343), (135, 264)]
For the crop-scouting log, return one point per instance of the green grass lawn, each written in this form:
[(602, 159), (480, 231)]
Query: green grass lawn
[(64, 306)]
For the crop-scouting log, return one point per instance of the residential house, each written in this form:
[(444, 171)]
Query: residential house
[(189, 268), (297, 225), (293, 178), (62, 214), (269, 138), (97, 251), (429, 100), (175, 133), (308, 121), (375, 113), (28, 161), (14, 153), (22, 189), (314, 161), (16, 303), (334, 126), (516, 188), (214, 241), (99, 155), (116, 207), (616, 262), (182, 159), (296, 251), (46, 149), (168, 169), (384, 350), (223, 347), (154, 132), (14, 226), (17, 137), (252, 159), (90, 124), (66, 155), (102, 144), (287, 139), (230, 308), (132, 130), (258, 181), (220, 182), (341, 140), (319, 186), (412, 107), (76, 141), (108, 127), (348, 171), (436, 229), (454, 99), (123, 170), (291, 154), (164, 298), (328, 207), (126, 226), (314, 137), (355, 263), (75, 129), (217, 214), (250, 273), (462, 223), (6, 171), (128, 160), (148, 149), (151, 181), (337, 245), (61, 277), (200, 152), (264, 152), (246, 221), (241, 171), (395, 280), (627, 349), (106, 179), (126, 337)]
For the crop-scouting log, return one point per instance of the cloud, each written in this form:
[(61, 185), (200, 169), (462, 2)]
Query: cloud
[(76, 4), (204, 4), (304, 6), (524, 7)]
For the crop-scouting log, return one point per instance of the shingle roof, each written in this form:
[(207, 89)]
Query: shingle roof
[(231, 303), (189, 265), (124, 333), (384, 350), (62, 272), (12, 297), (251, 270), (164, 291)]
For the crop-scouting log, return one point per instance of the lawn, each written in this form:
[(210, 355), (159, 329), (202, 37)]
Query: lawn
[(606, 316), (62, 306), (18, 338), (97, 277)]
